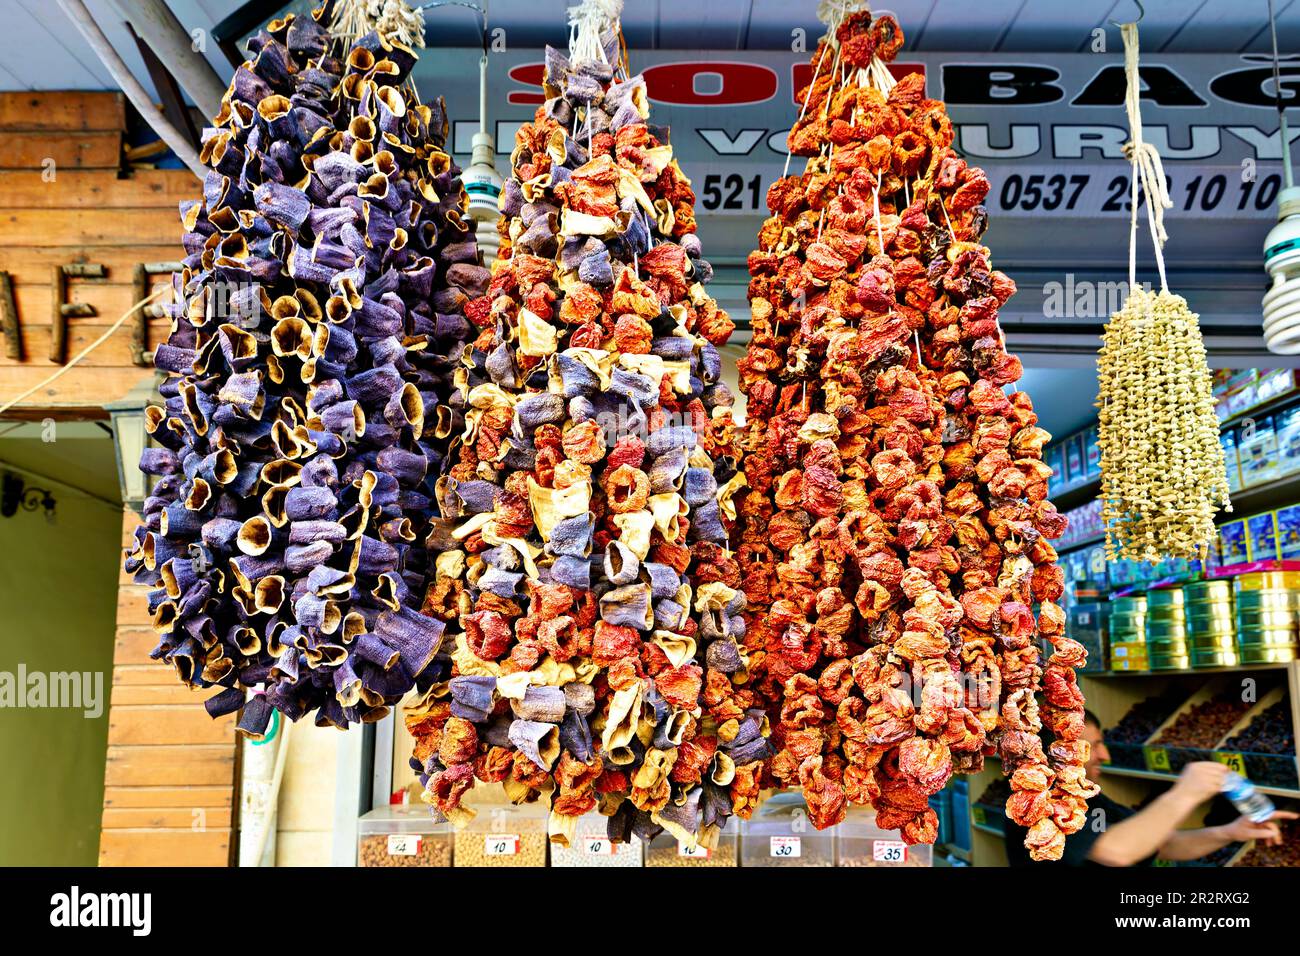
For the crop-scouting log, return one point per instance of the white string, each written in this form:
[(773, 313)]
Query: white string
[(589, 22), (1146, 165), (108, 334)]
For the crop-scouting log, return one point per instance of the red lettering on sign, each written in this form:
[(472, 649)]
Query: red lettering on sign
[(710, 84), (801, 75), (529, 74)]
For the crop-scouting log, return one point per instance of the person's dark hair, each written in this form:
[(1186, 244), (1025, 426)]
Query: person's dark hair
[(1090, 718)]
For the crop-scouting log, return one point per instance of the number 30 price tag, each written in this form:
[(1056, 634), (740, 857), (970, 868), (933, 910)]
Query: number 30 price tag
[(785, 847), (889, 851)]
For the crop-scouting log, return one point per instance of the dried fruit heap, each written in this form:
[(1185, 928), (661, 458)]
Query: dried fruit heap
[(584, 551), (320, 317), (894, 537)]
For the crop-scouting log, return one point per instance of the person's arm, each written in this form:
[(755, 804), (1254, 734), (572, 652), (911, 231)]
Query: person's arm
[(1146, 832), (1194, 844)]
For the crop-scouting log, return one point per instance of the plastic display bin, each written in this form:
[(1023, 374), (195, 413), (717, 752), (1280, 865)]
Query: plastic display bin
[(593, 847), (781, 834), (959, 797), (504, 836), (862, 843), (941, 804), (664, 850), (403, 835)]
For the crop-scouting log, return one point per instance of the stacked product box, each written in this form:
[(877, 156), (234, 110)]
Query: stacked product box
[(1257, 451), (1287, 425)]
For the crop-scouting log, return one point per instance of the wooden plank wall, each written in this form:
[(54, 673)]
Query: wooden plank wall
[(169, 779), (89, 210), (170, 772)]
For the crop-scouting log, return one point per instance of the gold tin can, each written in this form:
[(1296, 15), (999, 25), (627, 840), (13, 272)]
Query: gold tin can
[(1174, 614), (1173, 662), (1129, 664), (1272, 599), (1164, 597), (1218, 658), (1210, 617), (1217, 590), (1276, 637), (1266, 619), (1212, 642), (1267, 581), (1133, 603), (1268, 654)]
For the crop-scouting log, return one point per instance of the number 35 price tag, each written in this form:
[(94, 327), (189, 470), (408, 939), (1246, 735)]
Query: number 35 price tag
[(785, 847), (889, 851)]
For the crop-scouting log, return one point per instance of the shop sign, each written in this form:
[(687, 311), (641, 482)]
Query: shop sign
[(1049, 130)]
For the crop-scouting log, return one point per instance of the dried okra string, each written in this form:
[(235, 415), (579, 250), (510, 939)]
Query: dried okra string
[(894, 534), (584, 559), (310, 366), (1163, 474)]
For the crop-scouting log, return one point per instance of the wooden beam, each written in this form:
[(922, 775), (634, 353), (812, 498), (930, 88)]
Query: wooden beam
[(173, 103)]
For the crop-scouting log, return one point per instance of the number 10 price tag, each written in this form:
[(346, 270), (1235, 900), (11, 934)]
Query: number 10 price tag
[(696, 852), (501, 844), (598, 846)]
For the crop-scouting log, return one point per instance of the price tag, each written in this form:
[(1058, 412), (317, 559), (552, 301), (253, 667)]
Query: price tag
[(979, 816), (1157, 759), (696, 852), (1235, 762), (598, 846), (785, 847), (889, 851), (501, 844), (403, 844)]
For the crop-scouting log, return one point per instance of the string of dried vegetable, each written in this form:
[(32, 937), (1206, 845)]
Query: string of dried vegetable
[(895, 532), (319, 318), (584, 558), (1163, 474)]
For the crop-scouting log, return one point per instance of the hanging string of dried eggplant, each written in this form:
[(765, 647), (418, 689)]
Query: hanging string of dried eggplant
[(309, 371)]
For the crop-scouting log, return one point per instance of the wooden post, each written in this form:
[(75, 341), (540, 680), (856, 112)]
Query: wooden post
[(9, 319), (62, 310)]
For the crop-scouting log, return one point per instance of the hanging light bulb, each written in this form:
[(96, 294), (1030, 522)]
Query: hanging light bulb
[(1282, 246), (481, 179)]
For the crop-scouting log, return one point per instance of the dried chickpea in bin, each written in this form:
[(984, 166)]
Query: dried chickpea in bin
[(504, 836), (404, 836)]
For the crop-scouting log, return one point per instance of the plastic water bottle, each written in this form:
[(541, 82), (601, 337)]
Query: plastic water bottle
[(1245, 796)]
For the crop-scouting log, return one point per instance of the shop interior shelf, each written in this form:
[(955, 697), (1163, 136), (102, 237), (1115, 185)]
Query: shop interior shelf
[(1075, 496), (1170, 778), (1262, 497), (985, 828), (1190, 670)]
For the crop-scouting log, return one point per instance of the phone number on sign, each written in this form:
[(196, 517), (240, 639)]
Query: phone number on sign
[(1193, 193)]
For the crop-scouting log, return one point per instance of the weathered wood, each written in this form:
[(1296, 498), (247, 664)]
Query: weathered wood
[(155, 674), (165, 847), (82, 388), (101, 189), (173, 694), (115, 352), (58, 320), (156, 797), (167, 766), (148, 726), (62, 110), (27, 263), (27, 150), (89, 227), (9, 319), (159, 818)]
